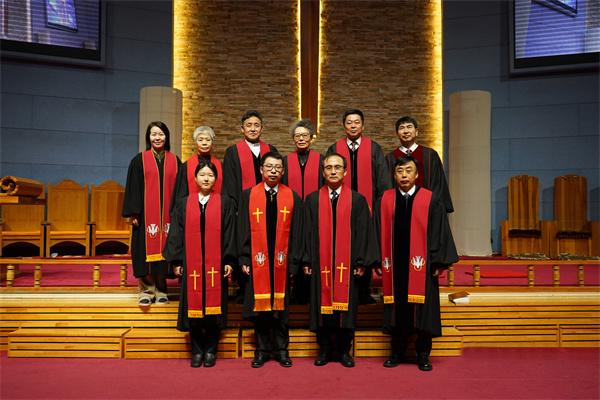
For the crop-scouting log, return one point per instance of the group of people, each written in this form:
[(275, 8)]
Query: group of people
[(265, 220)]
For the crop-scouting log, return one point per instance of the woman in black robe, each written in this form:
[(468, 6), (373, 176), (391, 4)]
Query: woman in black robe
[(204, 331)]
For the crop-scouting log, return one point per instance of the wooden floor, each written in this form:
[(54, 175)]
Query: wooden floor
[(67, 323)]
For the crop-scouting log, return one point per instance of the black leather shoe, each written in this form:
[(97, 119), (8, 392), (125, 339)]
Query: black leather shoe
[(196, 360), (284, 360), (259, 360), (391, 363), (424, 363), (346, 360), (322, 359), (209, 360)]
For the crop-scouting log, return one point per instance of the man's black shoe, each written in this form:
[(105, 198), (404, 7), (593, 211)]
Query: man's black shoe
[(209, 360), (424, 363), (322, 359), (346, 360), (259, 360), (196, 360), (284, 360)]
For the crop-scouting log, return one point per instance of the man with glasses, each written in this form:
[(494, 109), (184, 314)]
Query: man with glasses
[(302, 175), (270, 249), (340, 246)]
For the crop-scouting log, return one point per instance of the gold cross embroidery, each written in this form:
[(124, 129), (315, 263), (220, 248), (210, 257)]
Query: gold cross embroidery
[(285, 212), (257, 213), (341, 268), (326, 272), (212, 273), (195, 275)]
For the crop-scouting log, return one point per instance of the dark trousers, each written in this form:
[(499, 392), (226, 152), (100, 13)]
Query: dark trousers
[(399, 342), (333, 339), (204, 335), (272, 334)]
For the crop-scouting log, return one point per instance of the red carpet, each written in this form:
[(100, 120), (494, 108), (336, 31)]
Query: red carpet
[(479, 374)]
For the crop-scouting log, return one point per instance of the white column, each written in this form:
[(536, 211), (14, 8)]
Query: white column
[(469, 162), (164, 104)]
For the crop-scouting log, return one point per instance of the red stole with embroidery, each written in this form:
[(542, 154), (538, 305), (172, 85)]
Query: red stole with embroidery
[(311, 173), (247, 162), (261, 277), (199, 279), (157, 221), (335, 279), (364, 167), (192, 163), (417, 259)]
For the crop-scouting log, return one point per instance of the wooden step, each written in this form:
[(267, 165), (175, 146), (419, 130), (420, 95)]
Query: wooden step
[(580, 336), (171, 343), (303, 343), (370, 343), (510, 336), (66, 342)]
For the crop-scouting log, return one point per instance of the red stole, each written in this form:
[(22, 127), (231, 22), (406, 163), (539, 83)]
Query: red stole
[(192, 163), (261, 278), (211, 274), (417, 272), (335, 279), (364, 167), (247, 162), (311, 173), (157, 221), (417, 155)]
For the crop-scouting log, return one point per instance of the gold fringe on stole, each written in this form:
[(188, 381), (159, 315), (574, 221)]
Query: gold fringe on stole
[(388, 299), (195, 314), (261, 303), (154, 257), (213, 310), (278, 302), (340, 306), (415, 298), (326, 310)]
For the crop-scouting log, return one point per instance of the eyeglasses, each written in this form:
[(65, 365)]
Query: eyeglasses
[(301, 136), (329, 168), (271, 167)]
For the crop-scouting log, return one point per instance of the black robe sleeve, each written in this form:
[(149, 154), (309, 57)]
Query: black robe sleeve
[(442, 250), (174, 251), (438, 183), (364, 243), (380, 171), (181, 189), (232, 178), (229, 253), (243, 235), (133, 202), (296, 239)]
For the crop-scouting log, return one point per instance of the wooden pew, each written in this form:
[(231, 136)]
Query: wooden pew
[(106, 222), (22, 222)]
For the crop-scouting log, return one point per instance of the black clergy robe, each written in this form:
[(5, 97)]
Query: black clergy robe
[(302, 158), (379, 170), (174, 252), (441, 253), (431, 173), (363, 252), (295, 248), (133, 205), (232, 172), (181, 189)]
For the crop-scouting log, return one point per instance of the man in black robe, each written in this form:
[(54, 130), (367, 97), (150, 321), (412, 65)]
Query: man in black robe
[(405, 312), (431, 169), (353, 144), (270, 325), (204, 332), (335, 330)]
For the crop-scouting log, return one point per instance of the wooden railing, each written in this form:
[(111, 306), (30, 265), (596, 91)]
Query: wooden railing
[(39, 263)]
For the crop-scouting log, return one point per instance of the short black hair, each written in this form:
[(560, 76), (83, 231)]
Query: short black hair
[(407, 119), (250, 114), (405, 160), (336, 155), (206, 163), (353, 111), (163, 127), (303, 123), (271, 154)]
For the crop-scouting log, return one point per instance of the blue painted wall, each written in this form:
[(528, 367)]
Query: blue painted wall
[(545, 125), (70, 122), (62, 121)]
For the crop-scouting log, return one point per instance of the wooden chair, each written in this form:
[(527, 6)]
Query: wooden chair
[(106, 222), (22, 223), (522, 231), (573, 230), (67, 215)]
